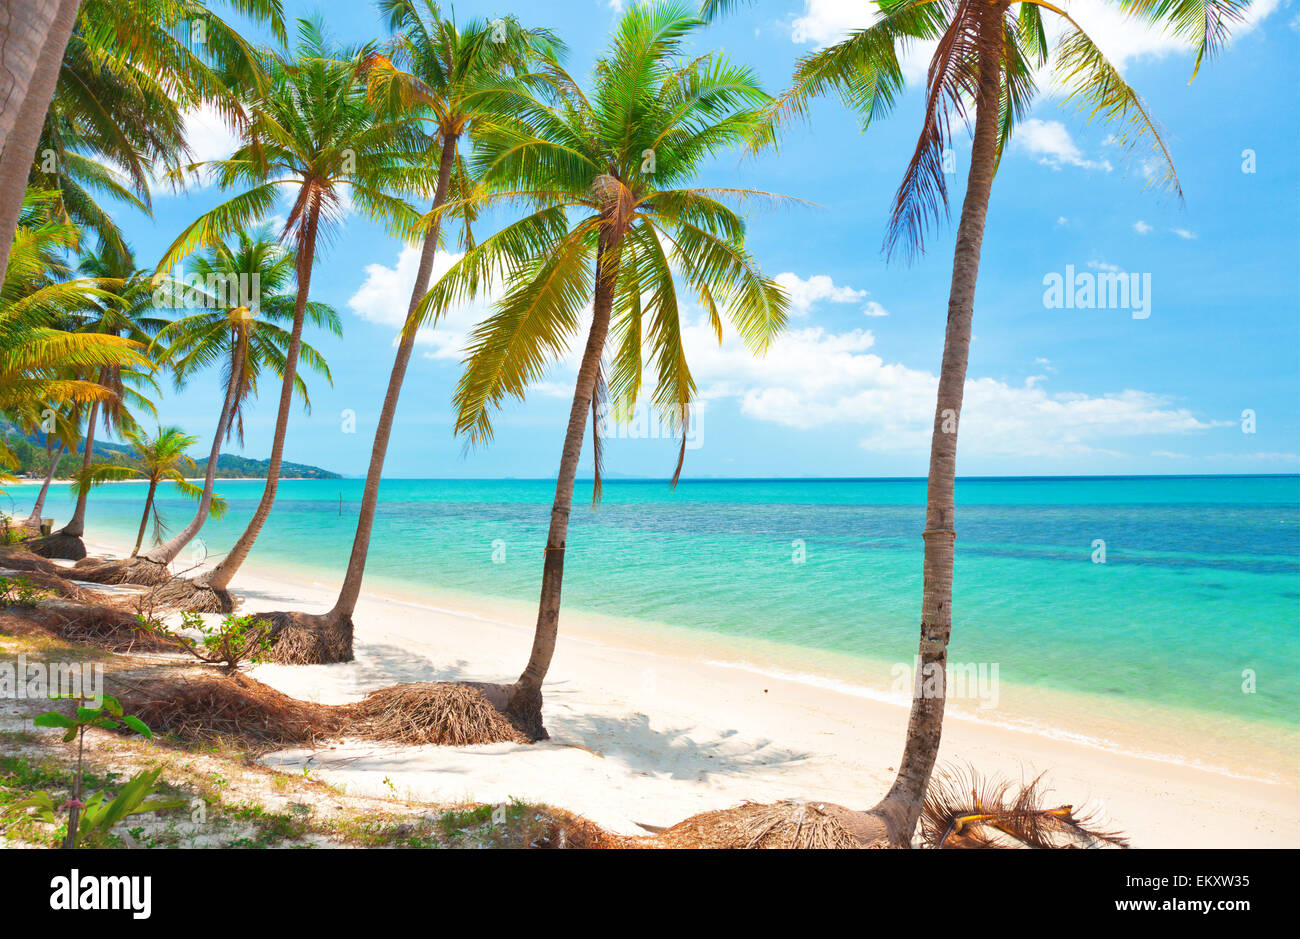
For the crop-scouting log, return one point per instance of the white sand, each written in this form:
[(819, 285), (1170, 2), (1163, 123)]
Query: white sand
[(643, 734)]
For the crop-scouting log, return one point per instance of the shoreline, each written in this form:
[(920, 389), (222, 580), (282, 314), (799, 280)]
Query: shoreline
[(650, 727)]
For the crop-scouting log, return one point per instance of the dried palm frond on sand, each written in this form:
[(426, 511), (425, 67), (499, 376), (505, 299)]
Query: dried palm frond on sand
[(964, 810)]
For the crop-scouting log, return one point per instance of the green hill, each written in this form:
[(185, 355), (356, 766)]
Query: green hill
[(30, 450)]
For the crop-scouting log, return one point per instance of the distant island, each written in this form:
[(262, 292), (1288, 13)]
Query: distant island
[(29, 449)]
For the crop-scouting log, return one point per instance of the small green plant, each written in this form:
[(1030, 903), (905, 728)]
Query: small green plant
[(19, 591), (235, 640), (91, 822)]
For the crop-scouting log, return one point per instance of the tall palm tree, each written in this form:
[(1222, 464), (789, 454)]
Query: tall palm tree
[(112, 80), (616, 225), (454, 81), (246, 298), (43, 363), (987, 57), (158, 459), (127, 311), (317, 136), (32, 45)]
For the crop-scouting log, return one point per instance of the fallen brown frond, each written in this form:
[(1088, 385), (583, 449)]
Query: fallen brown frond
[(964, 810)]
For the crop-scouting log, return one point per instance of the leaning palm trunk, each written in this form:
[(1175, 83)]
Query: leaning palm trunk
[(34, 520), (150, 568), (216, 582), (66, 543), (144, 519), (523, 703), (892, 822), (309, 639), (32, 43), (901, 807)]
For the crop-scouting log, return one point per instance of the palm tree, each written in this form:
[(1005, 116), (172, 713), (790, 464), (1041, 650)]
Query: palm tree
[(160, 458), (126, 311), (615, 226), (315, 134), (245, 299), (43, 363), (454, 80), (987, 55), (112, 82), (32, 47)]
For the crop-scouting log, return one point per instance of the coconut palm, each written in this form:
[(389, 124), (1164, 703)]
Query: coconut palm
[(244, 296), (454, 80), (127, 310), (110, 84), (162, 458), (616, 225), (317, 137), (43, 361), (988, 56)]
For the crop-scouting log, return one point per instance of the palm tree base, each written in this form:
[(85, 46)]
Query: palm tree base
[(789, 824), (136, 570), (58, 545), (308, 639), (194, 596), (523, 708)]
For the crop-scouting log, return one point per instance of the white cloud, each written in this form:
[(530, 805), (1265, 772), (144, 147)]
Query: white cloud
[(385, 296), (815, 378), (1184, 233), (874, 309), (1141, 227), (1121, 38), (1052, 144), (805, 293), (1104, 266), (209, 137)]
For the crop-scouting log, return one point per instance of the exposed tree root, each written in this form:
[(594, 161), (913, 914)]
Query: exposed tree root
[(781, 825), (181, 593), (105, 627), (57, 545), (201, 706), (49, 584), (444, 712), (20, 559), (137, 570), (307, 639)]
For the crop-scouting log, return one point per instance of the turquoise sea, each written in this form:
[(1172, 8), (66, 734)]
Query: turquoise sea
[(1199, 590)]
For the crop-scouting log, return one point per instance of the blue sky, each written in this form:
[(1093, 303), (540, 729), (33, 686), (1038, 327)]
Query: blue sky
[(849, 390)]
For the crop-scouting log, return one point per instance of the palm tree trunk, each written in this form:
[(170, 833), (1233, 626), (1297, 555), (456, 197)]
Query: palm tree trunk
[(902, 805), (525, 703), (33, 37), (351, 590), (144, 519), (166, 552), (53, 457), (77, 526), (220, 577)]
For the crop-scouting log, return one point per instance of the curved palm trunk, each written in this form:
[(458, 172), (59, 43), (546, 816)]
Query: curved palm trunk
[(166, 552), (144, 519), (901, 806), (220, 577), (35, 518), (524, 706), (76, 527), (341, 614), (33, 37)]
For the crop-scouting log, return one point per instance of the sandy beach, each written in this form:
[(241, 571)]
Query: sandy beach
[(647, 735)]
